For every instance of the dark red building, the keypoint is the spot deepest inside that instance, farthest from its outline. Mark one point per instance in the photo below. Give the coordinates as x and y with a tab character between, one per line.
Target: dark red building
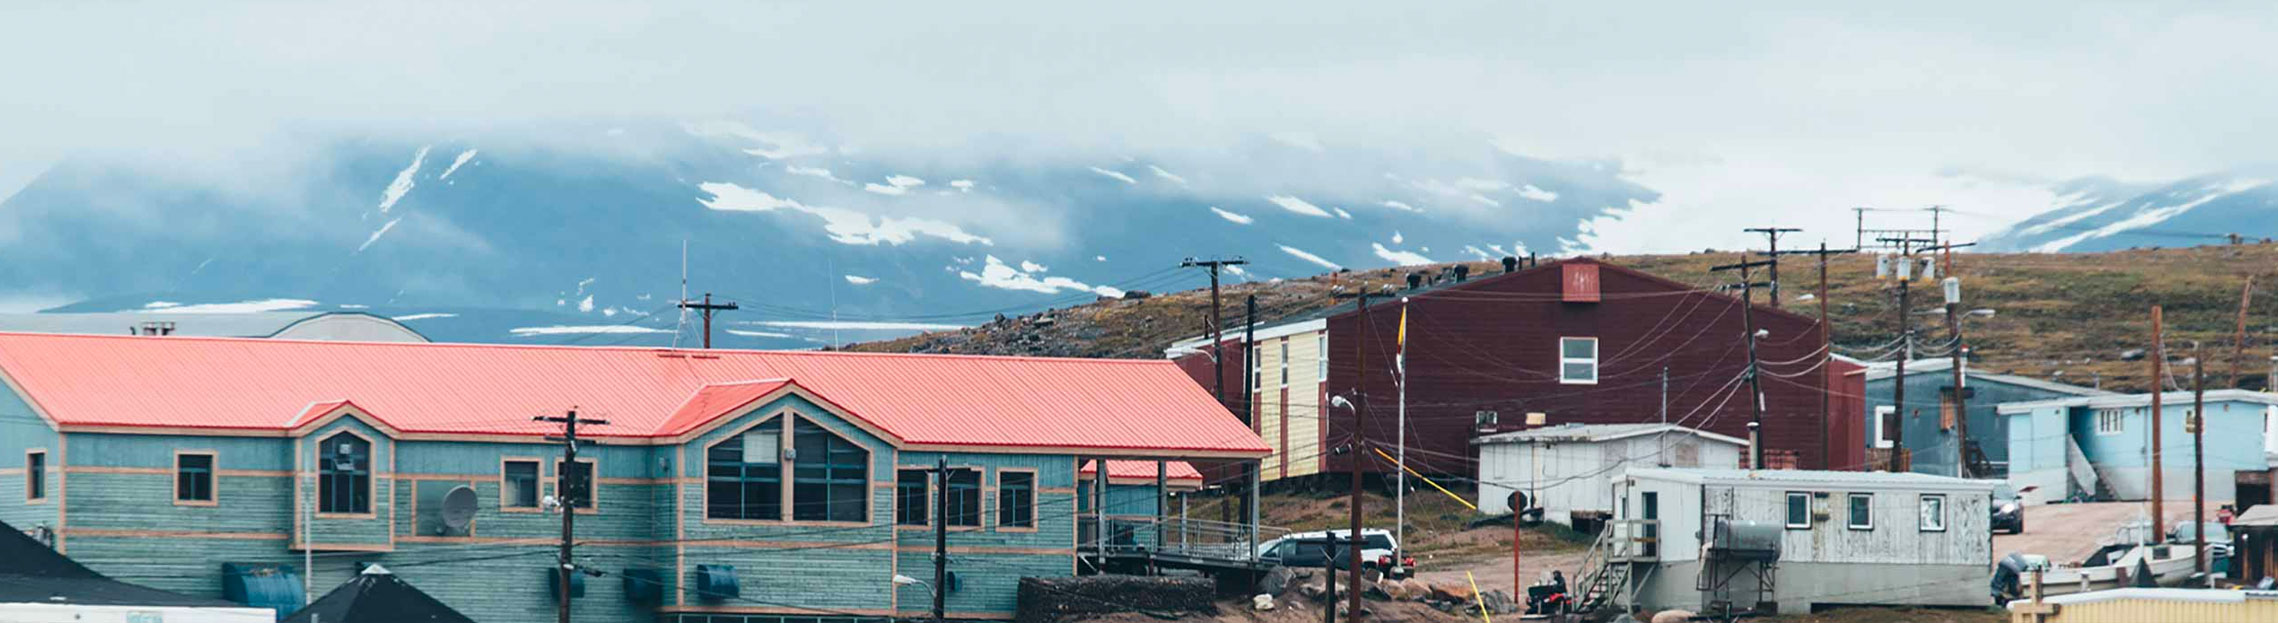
1582	341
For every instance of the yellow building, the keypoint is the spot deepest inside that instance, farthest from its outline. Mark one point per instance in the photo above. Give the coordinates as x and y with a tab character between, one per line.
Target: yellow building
2146	605
1290	375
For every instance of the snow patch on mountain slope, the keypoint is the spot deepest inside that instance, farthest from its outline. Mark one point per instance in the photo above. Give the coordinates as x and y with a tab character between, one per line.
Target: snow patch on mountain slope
375	237
1173	177
581	329
895	185
1530	191
1029	276
860	280
1309	257
854	324
1117	175
1398	258
843	225
240	307
460	161
403	182
1235	217
2148	217
818	173
1297	205
1401	206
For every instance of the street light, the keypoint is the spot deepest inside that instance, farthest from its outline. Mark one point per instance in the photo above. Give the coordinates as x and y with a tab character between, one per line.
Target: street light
903	580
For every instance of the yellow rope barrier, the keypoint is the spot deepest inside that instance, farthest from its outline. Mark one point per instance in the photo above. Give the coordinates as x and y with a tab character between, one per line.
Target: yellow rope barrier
1411	471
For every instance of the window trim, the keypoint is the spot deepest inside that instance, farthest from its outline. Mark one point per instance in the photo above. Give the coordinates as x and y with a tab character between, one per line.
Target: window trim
537	484
930	497
997	494
1284	361
1882	415
371	476
36	479
1850	515
980	490
780	419
2119	420
213	478
790	474
1918	507
1563	360
554	465
1791	500
1321	357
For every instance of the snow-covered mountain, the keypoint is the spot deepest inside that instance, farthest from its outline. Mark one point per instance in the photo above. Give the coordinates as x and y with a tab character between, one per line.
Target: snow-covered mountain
579	237
2101	214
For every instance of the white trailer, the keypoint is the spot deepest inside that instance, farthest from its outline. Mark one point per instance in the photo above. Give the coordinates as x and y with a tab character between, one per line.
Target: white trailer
1565	468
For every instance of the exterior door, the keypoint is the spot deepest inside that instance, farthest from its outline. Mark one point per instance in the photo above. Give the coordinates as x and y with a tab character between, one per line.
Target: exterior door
1650	505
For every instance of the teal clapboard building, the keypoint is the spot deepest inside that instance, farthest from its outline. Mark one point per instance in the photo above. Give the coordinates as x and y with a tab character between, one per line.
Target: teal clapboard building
1930	434
725	486
2100	447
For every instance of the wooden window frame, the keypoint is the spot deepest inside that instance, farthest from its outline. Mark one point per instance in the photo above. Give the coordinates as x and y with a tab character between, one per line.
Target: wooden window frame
1321	357
780	420
1851	515
537	485
1880	426
790	475
1034	480
35	480
2119	420
1790	510
594	465
1284	361
1920	503
981	498
1564	360
371	476
213	478
926	521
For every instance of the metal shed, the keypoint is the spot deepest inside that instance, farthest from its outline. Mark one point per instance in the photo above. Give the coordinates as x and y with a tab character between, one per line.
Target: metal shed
1565	468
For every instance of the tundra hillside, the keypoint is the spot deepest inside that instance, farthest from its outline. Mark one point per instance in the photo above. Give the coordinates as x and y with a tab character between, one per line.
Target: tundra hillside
2080	313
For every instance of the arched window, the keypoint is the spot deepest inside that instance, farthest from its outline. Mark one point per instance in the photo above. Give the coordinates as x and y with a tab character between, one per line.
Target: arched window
831	479
344	478
744	475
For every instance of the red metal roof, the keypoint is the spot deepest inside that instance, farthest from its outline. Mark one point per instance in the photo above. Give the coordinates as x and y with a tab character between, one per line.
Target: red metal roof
1145	470
1124	405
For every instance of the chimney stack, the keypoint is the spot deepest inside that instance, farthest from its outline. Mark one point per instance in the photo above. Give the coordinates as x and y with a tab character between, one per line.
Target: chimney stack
1510	264
1462	273
1415	280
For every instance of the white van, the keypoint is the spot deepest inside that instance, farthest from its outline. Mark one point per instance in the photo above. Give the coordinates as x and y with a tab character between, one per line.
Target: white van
1311	549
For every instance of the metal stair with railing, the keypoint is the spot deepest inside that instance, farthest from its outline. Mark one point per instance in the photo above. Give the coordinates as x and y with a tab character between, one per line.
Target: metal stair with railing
1613	557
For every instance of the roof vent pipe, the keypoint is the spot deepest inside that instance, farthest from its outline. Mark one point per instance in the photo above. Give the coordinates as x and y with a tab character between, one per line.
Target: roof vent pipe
1415	280
1462	272
1510	264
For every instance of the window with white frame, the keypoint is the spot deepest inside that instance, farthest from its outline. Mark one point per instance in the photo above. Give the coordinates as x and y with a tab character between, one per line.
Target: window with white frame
1860	513
1321	356
1877	428
1285	362
1933	513
1578	360
1799	510
2111	421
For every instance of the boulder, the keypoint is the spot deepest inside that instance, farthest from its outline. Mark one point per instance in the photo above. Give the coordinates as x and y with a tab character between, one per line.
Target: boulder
1261	602
1454	592
1672	616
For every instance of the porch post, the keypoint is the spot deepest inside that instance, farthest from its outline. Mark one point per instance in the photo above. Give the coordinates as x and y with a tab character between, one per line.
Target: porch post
1250	491
1099	505
1162	503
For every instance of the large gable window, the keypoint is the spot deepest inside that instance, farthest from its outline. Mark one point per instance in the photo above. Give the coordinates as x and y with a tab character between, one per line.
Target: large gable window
344	478
744	475
1578	360
831	476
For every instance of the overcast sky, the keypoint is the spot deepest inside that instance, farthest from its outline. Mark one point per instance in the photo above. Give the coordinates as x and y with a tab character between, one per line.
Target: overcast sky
1788	114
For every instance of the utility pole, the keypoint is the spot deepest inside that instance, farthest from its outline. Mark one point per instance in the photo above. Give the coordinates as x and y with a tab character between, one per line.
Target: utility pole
1859	236
1251	371
1748	329
1664	454
1355	447
2196	424
1772	250
1826	344
2158	387
941	532
576	485
1963	465
1905	275
1218	344
2238	340
705	308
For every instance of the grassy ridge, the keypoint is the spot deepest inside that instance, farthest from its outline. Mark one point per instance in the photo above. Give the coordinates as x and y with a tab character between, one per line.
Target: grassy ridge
2074	312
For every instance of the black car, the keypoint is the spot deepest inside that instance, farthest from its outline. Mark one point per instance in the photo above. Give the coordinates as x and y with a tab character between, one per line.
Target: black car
2008	511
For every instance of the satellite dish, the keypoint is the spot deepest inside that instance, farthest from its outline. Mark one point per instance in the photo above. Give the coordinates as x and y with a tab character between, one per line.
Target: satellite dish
458	510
